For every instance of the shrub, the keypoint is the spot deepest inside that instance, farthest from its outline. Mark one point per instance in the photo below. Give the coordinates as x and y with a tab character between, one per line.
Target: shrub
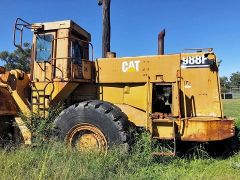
42	128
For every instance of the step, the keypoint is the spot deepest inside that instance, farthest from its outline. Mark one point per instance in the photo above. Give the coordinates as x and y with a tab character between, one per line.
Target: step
37	103
41	108
162	120
42	95
39	93
37	90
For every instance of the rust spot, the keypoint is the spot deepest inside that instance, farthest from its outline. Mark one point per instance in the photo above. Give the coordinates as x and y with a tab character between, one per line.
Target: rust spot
7	104
208	130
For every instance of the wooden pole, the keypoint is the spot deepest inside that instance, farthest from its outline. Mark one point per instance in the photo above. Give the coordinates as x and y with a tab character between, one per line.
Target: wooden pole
106	33
161	36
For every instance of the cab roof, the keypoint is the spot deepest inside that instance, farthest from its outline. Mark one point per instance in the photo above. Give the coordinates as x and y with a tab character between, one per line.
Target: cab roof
66	24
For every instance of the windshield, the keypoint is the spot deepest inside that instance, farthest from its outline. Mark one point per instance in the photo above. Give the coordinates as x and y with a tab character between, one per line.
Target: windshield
44	47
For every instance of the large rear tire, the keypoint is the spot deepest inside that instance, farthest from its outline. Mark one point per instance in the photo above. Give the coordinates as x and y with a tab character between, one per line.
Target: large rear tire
92	125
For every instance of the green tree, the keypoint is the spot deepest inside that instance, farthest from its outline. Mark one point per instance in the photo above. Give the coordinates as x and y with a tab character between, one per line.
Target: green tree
235	79
225	84
19	59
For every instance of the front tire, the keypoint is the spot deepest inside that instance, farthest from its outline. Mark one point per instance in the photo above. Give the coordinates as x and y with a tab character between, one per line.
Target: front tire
92	125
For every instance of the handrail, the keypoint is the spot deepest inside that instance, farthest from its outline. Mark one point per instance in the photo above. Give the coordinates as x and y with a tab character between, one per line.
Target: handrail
55	39
198	49
55	58
178	81
19	25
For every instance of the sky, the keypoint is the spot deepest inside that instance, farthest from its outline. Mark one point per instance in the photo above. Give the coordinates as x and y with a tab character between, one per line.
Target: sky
135	25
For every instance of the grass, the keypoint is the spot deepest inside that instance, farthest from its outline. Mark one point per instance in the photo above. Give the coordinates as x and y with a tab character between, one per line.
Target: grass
54	161
232	109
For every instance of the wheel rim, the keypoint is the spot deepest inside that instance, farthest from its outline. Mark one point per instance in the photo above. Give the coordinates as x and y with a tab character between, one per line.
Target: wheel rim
87	137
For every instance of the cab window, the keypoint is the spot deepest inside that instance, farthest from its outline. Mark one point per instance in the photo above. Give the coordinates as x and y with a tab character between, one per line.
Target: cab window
76	52
44	47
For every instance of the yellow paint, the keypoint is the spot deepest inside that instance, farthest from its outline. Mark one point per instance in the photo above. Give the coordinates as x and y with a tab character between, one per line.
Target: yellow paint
198	92
87	137
127	82
21	104
25	132
131	69
135	115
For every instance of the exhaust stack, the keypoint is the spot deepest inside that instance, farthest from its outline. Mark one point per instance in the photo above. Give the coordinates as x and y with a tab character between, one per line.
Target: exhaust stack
161	36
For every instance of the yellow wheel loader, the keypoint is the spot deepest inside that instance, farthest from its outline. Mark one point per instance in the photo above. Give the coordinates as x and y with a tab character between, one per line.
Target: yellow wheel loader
173	96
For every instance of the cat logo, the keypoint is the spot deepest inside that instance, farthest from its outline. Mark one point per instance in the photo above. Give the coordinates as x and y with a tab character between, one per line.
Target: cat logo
131	66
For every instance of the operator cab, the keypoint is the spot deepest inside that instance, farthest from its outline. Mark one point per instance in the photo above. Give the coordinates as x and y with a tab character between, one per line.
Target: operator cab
60	52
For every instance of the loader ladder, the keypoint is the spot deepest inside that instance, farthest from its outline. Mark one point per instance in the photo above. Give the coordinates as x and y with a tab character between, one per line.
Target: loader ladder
39	99
171	124
36	100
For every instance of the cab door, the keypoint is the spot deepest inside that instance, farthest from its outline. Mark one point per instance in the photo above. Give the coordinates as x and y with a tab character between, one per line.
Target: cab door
43	56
